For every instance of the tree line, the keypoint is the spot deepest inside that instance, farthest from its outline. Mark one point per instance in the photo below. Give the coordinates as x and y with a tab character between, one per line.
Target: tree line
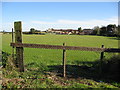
109	30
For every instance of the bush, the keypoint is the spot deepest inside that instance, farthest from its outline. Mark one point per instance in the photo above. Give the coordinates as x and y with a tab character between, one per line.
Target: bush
4	58
114	64
111	68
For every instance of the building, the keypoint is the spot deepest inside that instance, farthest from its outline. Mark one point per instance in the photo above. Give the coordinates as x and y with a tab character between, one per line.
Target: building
70	31
87	31
63	31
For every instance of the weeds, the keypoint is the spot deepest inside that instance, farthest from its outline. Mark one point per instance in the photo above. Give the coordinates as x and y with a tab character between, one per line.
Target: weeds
46	76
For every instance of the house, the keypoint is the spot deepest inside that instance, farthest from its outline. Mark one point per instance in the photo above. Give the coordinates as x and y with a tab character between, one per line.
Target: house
70	31
87	31
63	31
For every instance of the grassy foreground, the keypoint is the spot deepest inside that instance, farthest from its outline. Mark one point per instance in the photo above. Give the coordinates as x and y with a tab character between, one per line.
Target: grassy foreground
54	57
43	66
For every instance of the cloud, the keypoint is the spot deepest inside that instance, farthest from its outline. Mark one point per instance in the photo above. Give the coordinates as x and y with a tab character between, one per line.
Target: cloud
42	22
62	24
84	24
112	20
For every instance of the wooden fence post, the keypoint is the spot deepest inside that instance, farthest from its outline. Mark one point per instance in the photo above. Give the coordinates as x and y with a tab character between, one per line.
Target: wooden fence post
13	46
19	50
102	54
64	61
101	60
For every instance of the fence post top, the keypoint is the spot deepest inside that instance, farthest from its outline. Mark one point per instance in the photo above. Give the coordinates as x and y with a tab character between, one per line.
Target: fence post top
64	43
102	46
17	21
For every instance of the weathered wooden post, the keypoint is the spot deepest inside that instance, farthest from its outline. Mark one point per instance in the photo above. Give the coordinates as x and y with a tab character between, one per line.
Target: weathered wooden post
102	54
64	61
101	60
13	42
19	50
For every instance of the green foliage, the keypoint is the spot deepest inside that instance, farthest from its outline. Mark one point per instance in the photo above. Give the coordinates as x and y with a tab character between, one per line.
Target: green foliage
79	30
32	79
96	30
118	31
4	58
103	31
54	57
110	68
32	31
109	30
78	85
39	61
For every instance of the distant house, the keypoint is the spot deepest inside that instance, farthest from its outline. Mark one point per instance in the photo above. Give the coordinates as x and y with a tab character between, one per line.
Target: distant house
63	31
87	31
70	31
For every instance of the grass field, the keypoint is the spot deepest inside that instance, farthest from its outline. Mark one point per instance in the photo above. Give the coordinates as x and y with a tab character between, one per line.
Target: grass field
40	62
53	57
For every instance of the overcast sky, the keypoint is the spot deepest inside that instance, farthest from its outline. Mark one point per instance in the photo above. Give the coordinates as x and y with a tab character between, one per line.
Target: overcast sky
60	15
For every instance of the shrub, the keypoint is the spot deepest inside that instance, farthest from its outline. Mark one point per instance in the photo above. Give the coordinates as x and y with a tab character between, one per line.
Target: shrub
4	58
110	68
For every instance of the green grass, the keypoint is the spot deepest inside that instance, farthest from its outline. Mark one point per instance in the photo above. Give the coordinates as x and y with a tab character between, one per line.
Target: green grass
40	62
54	57
36	79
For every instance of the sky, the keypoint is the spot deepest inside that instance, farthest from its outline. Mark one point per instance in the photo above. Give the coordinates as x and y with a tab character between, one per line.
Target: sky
60	0
58	15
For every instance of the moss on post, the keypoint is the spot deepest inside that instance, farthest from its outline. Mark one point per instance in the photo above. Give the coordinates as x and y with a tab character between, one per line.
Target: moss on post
19	50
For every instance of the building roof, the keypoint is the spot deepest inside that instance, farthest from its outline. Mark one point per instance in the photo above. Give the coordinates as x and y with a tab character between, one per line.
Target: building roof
88	29
64	30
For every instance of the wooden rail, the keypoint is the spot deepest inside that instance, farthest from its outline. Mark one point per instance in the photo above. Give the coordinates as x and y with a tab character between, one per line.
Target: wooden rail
115	50
19	46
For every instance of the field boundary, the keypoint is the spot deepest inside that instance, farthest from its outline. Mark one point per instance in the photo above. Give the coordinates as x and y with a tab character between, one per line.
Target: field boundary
19	47
45	46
